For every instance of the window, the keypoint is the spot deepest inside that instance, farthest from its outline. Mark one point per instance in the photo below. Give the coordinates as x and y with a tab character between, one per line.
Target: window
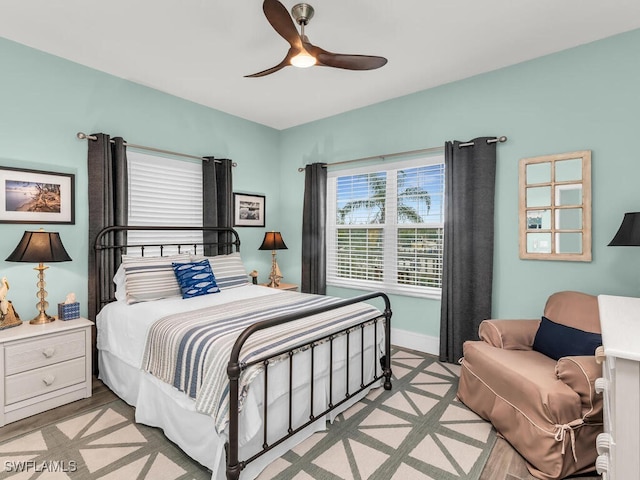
385	227
164	191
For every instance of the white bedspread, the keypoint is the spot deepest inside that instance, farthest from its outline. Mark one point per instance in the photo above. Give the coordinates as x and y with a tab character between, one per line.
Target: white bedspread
123	328
122	331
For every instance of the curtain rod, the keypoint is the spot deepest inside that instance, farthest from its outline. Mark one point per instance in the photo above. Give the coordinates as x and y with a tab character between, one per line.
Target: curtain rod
408	152
84	136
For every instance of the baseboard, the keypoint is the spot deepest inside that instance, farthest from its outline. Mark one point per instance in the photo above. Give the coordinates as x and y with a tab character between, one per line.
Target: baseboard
415	341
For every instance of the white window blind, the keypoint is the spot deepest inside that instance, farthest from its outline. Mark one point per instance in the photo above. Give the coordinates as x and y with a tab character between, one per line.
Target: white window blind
164	191
385	227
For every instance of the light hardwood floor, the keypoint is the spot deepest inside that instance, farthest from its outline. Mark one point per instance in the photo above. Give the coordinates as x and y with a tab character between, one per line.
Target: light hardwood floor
504	463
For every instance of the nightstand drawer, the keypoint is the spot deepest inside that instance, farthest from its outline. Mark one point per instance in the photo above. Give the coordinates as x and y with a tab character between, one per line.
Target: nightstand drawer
43	380
27	355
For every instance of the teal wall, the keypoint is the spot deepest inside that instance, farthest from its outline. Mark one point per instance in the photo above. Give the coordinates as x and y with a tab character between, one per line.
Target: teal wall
583	98
45	100
586	98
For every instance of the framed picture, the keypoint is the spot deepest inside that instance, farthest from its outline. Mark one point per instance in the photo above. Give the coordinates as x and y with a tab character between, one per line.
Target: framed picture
248	210
34	196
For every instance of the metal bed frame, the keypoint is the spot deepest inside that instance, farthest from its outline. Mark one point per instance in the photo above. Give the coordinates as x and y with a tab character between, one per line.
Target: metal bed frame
111	243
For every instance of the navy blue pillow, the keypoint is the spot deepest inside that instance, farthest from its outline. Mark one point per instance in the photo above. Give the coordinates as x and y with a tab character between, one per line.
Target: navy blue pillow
556	341
195	279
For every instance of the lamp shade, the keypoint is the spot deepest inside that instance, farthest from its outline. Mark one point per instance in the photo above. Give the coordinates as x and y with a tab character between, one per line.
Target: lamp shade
272	241
39	247
628	234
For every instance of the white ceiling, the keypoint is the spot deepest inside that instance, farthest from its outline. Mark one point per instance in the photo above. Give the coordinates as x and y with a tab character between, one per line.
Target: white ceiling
201	49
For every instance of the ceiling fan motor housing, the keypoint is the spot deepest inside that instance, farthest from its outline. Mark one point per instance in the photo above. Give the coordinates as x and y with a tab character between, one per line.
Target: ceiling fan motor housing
302	12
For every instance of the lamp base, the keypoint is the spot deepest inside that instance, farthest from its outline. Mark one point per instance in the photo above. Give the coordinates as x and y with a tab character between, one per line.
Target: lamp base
41	319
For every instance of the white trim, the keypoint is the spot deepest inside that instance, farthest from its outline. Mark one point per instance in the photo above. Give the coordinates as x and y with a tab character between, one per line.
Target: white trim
415	341
370	286
383	167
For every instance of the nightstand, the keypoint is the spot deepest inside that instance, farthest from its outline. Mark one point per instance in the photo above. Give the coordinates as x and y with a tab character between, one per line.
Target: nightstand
43	367
284	286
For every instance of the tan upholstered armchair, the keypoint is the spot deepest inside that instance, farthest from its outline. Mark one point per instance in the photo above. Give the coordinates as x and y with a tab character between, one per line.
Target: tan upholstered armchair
545	407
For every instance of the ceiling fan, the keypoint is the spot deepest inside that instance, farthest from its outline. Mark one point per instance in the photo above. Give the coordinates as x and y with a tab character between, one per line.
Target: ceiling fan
303	53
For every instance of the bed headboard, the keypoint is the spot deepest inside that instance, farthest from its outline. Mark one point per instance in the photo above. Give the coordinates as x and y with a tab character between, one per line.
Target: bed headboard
111	243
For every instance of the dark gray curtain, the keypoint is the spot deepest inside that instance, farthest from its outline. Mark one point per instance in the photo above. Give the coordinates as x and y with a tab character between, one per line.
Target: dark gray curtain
217	202
468	243
314	222
108	205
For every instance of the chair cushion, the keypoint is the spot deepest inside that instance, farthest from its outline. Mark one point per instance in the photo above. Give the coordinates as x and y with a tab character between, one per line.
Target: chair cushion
556	341
525	379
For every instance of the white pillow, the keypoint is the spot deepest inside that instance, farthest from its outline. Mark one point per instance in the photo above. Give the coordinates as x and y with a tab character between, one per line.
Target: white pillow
119	280
228	270
151	278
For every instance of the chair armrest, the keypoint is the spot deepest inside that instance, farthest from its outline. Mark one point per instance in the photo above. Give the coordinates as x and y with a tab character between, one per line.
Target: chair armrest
580	374
509	334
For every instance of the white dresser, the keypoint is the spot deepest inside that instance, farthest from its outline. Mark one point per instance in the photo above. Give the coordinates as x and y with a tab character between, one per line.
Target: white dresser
619	445
44	366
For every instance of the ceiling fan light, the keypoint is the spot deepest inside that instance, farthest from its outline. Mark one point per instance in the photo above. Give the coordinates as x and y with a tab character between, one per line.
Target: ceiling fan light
303	60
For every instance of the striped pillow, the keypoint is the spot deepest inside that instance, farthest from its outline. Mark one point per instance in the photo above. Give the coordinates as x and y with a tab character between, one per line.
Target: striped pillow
151	278
228	270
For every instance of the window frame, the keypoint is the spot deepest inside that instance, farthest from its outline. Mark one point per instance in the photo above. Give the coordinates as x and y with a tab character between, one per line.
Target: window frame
390	229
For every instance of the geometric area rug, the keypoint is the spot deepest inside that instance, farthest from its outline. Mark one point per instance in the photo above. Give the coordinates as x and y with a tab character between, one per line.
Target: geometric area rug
104	443
416	431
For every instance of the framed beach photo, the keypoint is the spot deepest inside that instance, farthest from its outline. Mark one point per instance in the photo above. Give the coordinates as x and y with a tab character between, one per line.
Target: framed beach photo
248	210
34	196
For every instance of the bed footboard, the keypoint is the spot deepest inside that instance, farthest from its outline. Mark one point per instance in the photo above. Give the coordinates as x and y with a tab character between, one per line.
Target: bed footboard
235	368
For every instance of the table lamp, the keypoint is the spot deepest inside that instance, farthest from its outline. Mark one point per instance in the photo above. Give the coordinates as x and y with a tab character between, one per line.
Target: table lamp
628	235
39	247
273	241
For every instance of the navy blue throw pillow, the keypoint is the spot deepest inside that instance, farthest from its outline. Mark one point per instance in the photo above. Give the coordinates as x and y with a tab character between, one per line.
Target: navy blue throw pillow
556	341
195	279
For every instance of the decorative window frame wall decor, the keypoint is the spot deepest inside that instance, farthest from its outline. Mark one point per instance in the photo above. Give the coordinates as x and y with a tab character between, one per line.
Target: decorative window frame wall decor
555	207
242	204
35	196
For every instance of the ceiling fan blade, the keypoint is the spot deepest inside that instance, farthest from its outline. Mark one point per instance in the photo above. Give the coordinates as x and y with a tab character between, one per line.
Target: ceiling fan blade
279	18
351	62
339	60
284	63
268	71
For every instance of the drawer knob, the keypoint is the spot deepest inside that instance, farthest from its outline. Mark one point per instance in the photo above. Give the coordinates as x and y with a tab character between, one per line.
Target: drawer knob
49	352
603	443
48	380
600	385
600	356
602	464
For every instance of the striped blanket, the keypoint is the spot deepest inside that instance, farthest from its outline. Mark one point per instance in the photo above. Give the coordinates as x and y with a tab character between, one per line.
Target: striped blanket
191	350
